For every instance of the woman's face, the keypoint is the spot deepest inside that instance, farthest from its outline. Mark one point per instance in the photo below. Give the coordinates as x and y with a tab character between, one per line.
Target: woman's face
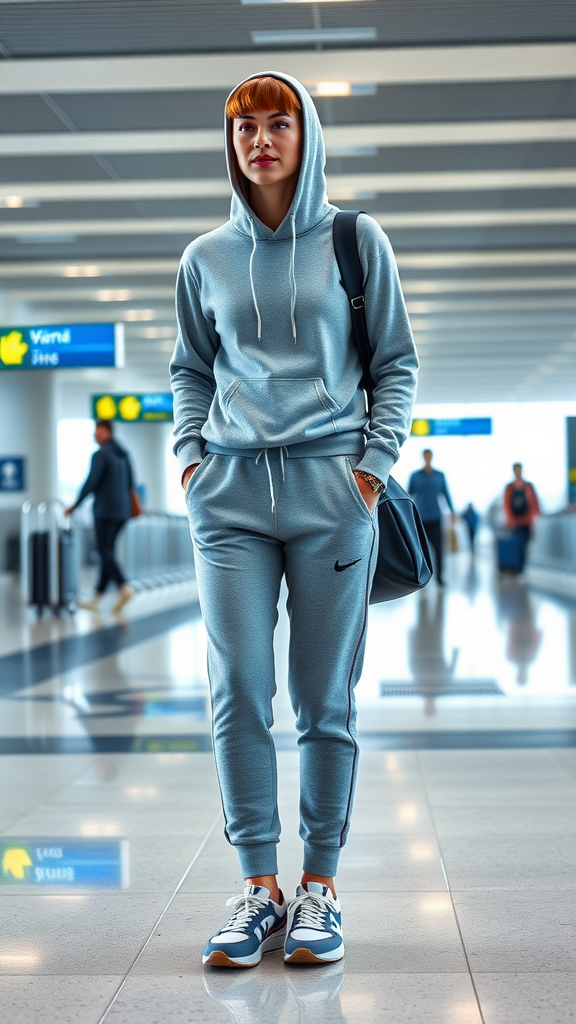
268	145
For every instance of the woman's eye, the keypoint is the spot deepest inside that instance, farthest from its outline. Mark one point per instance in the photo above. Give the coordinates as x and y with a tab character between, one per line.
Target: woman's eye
281	124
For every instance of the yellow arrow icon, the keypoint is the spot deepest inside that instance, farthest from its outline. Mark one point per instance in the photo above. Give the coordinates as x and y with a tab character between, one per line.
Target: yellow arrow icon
14	861
13	348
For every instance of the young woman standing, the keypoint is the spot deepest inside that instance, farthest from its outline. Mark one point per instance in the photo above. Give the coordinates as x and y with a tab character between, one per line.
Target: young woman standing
282	472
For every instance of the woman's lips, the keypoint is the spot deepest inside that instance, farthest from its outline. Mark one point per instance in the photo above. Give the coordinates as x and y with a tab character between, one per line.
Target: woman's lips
264	161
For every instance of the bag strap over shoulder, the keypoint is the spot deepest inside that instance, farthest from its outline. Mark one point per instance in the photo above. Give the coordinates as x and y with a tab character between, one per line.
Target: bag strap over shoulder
352	281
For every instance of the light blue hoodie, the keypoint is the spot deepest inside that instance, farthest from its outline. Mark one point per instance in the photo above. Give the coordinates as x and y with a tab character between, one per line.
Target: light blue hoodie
265	355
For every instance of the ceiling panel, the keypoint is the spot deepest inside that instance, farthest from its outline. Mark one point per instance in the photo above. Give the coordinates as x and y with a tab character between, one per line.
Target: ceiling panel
148	26
488	264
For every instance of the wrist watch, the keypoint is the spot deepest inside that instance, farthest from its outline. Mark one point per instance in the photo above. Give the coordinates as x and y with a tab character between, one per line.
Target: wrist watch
372	481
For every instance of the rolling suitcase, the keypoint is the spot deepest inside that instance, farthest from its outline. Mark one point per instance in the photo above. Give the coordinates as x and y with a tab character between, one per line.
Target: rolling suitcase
39	583
509	553
68	575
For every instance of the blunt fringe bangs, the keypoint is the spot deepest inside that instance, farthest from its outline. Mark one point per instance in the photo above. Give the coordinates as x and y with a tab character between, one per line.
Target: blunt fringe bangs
262	94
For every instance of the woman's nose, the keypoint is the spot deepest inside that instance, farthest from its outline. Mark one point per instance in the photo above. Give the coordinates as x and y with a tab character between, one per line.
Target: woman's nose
261	138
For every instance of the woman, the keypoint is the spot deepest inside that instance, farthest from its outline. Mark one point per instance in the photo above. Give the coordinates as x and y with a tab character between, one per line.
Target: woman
282	473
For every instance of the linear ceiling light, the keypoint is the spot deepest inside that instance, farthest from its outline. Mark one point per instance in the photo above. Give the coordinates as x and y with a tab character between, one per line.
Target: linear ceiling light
302	36
342	89
85	271
249	2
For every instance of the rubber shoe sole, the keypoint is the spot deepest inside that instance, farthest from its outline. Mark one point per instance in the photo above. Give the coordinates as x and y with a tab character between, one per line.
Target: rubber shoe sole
306	956
218	958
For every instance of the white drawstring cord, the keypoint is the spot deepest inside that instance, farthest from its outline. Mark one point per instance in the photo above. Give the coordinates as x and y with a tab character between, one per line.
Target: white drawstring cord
264	452
254	299
283	455
293	280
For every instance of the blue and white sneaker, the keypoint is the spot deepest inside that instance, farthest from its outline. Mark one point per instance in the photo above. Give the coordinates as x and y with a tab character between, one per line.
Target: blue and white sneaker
314	926
256	926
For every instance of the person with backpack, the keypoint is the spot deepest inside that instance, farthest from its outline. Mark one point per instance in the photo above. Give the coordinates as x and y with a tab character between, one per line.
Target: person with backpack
282	468
521	506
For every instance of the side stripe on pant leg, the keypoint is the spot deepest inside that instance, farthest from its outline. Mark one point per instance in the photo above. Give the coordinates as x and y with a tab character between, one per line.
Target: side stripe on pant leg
346	826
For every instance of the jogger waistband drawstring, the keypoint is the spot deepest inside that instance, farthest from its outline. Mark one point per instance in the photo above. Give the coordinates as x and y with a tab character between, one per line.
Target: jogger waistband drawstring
283	455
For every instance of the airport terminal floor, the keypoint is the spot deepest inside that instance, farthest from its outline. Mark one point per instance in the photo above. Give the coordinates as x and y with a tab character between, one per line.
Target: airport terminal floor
457	883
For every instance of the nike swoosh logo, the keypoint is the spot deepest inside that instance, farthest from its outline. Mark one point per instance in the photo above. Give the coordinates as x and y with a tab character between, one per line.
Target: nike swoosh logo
340	566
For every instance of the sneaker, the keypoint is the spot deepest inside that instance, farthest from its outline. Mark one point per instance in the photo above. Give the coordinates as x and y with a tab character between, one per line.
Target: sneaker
314	926
257	926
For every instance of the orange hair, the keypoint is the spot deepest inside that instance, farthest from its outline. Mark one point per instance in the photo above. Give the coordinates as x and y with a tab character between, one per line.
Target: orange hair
262	94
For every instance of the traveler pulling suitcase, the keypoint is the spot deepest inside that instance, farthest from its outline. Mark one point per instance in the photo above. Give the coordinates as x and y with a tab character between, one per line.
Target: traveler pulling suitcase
509	555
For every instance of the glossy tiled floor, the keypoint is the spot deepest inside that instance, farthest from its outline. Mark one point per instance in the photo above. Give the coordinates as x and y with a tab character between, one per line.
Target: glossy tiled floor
458	883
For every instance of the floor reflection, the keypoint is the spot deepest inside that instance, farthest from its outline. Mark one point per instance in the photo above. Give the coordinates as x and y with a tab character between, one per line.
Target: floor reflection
260	997
516	608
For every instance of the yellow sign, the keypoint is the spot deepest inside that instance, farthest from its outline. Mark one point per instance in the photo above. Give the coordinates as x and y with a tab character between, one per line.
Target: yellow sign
13	349
421	428
15	861
572	476
105	408
129	407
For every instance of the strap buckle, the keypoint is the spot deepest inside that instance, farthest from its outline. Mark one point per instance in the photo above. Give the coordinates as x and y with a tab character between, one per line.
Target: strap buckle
358	302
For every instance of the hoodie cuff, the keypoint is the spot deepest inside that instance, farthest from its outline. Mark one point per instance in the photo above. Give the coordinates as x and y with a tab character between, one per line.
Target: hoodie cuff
377	462
190	453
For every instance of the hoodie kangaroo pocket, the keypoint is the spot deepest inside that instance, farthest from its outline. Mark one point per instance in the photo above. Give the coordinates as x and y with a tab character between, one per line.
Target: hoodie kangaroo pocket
278	408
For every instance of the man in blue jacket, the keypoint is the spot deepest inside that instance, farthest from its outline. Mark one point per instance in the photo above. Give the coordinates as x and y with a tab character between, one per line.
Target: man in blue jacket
425	487
110	481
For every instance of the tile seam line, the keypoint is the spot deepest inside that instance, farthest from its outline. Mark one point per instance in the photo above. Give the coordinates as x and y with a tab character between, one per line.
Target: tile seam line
571	771
448	887
159	919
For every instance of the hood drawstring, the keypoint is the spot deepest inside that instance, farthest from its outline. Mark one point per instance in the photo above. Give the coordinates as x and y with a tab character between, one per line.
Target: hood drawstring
293	289
293	280
254	299
283	455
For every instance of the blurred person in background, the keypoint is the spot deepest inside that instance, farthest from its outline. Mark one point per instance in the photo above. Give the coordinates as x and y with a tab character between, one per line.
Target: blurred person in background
110	480
426	486
472	519
521	507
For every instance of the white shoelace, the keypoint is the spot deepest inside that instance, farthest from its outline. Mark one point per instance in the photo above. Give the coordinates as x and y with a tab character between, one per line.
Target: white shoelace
310	911
246	907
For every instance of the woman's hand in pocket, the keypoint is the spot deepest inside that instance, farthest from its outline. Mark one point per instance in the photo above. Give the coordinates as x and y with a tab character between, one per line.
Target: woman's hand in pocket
367	493
189	472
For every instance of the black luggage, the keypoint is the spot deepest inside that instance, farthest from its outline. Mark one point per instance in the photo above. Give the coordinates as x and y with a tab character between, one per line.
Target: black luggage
68	581
39	570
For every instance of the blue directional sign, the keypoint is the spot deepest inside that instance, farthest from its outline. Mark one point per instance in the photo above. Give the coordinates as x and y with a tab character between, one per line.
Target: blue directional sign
12	475
452	428
83	863
59	346
156	407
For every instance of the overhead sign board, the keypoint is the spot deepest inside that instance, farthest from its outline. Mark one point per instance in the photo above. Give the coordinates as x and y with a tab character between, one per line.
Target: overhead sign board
69	863
150	408
12	475
56	347
452	428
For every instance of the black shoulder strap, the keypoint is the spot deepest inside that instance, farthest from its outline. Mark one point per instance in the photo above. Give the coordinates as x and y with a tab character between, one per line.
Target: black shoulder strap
352	281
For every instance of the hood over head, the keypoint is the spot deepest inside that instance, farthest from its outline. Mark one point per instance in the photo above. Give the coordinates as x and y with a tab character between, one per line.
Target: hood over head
310	204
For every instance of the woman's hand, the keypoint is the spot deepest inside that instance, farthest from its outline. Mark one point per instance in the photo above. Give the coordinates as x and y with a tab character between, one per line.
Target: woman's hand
188	472
367	493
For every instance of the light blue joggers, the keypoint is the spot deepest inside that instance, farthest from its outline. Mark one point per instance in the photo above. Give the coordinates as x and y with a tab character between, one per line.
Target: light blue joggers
255	517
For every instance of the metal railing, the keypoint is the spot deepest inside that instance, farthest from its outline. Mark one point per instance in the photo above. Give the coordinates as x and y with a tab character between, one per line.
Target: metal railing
156	549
